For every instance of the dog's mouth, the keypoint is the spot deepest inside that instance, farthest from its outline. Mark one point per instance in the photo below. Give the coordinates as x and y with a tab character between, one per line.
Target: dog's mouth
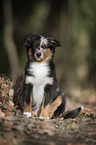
38	59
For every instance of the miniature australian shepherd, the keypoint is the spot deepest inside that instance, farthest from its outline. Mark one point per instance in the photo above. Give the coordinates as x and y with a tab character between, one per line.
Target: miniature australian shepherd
38	94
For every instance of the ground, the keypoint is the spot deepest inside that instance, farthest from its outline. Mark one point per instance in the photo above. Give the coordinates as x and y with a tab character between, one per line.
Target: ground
17	129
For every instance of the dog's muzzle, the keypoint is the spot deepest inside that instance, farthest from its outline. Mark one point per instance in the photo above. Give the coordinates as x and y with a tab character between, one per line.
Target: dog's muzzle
39	56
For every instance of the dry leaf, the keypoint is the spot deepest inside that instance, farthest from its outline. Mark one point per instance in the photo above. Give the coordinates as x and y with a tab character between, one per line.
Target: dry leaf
42	124
2	114
7	124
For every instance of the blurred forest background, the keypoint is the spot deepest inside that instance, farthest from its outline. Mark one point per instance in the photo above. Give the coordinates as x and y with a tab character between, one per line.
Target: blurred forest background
72	22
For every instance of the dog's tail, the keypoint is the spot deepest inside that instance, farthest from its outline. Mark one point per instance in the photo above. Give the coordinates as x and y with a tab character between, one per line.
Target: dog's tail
72	113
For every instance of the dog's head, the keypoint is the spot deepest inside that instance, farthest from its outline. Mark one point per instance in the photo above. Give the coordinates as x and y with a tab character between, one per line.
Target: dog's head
40	48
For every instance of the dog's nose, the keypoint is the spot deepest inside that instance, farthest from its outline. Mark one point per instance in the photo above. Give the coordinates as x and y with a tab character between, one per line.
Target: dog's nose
38	54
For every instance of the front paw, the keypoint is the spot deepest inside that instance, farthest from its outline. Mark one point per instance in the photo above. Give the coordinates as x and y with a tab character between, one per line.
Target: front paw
28	114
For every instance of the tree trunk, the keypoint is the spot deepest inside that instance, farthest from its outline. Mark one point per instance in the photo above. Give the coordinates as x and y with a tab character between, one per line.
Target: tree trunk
8	36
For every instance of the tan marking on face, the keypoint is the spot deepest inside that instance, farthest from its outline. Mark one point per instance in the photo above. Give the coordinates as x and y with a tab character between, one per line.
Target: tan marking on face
47	55
30	54
48	111
36	44
28	38
42	44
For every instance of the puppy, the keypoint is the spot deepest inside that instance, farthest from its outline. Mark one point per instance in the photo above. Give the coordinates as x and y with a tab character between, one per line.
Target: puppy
40	94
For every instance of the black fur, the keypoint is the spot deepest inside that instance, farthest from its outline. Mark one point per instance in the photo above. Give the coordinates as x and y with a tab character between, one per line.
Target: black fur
51	91
60	109
73	113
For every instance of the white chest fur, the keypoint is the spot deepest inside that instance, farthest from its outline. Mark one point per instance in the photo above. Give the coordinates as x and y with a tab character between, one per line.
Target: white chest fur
39	80
40	72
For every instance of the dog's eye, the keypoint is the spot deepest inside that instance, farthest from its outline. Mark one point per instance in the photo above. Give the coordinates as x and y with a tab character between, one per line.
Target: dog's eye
43	44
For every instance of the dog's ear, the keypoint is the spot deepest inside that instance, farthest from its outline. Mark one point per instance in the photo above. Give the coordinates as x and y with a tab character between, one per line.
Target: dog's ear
28	39
53	42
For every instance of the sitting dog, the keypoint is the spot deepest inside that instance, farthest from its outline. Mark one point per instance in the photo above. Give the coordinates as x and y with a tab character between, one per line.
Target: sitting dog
40	94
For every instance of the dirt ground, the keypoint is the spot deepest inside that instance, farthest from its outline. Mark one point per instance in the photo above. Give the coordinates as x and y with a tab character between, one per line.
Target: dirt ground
17	129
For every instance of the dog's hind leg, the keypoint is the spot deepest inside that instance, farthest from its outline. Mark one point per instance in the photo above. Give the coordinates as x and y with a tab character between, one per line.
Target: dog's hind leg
48	111
59	112
61	108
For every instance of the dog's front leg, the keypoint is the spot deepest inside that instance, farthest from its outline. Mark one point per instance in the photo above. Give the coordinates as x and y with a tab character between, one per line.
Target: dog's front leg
27	99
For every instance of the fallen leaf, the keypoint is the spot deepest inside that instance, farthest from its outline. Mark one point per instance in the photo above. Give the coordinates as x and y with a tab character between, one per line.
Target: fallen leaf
2	114
5	143
42	124
74	125
6	124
